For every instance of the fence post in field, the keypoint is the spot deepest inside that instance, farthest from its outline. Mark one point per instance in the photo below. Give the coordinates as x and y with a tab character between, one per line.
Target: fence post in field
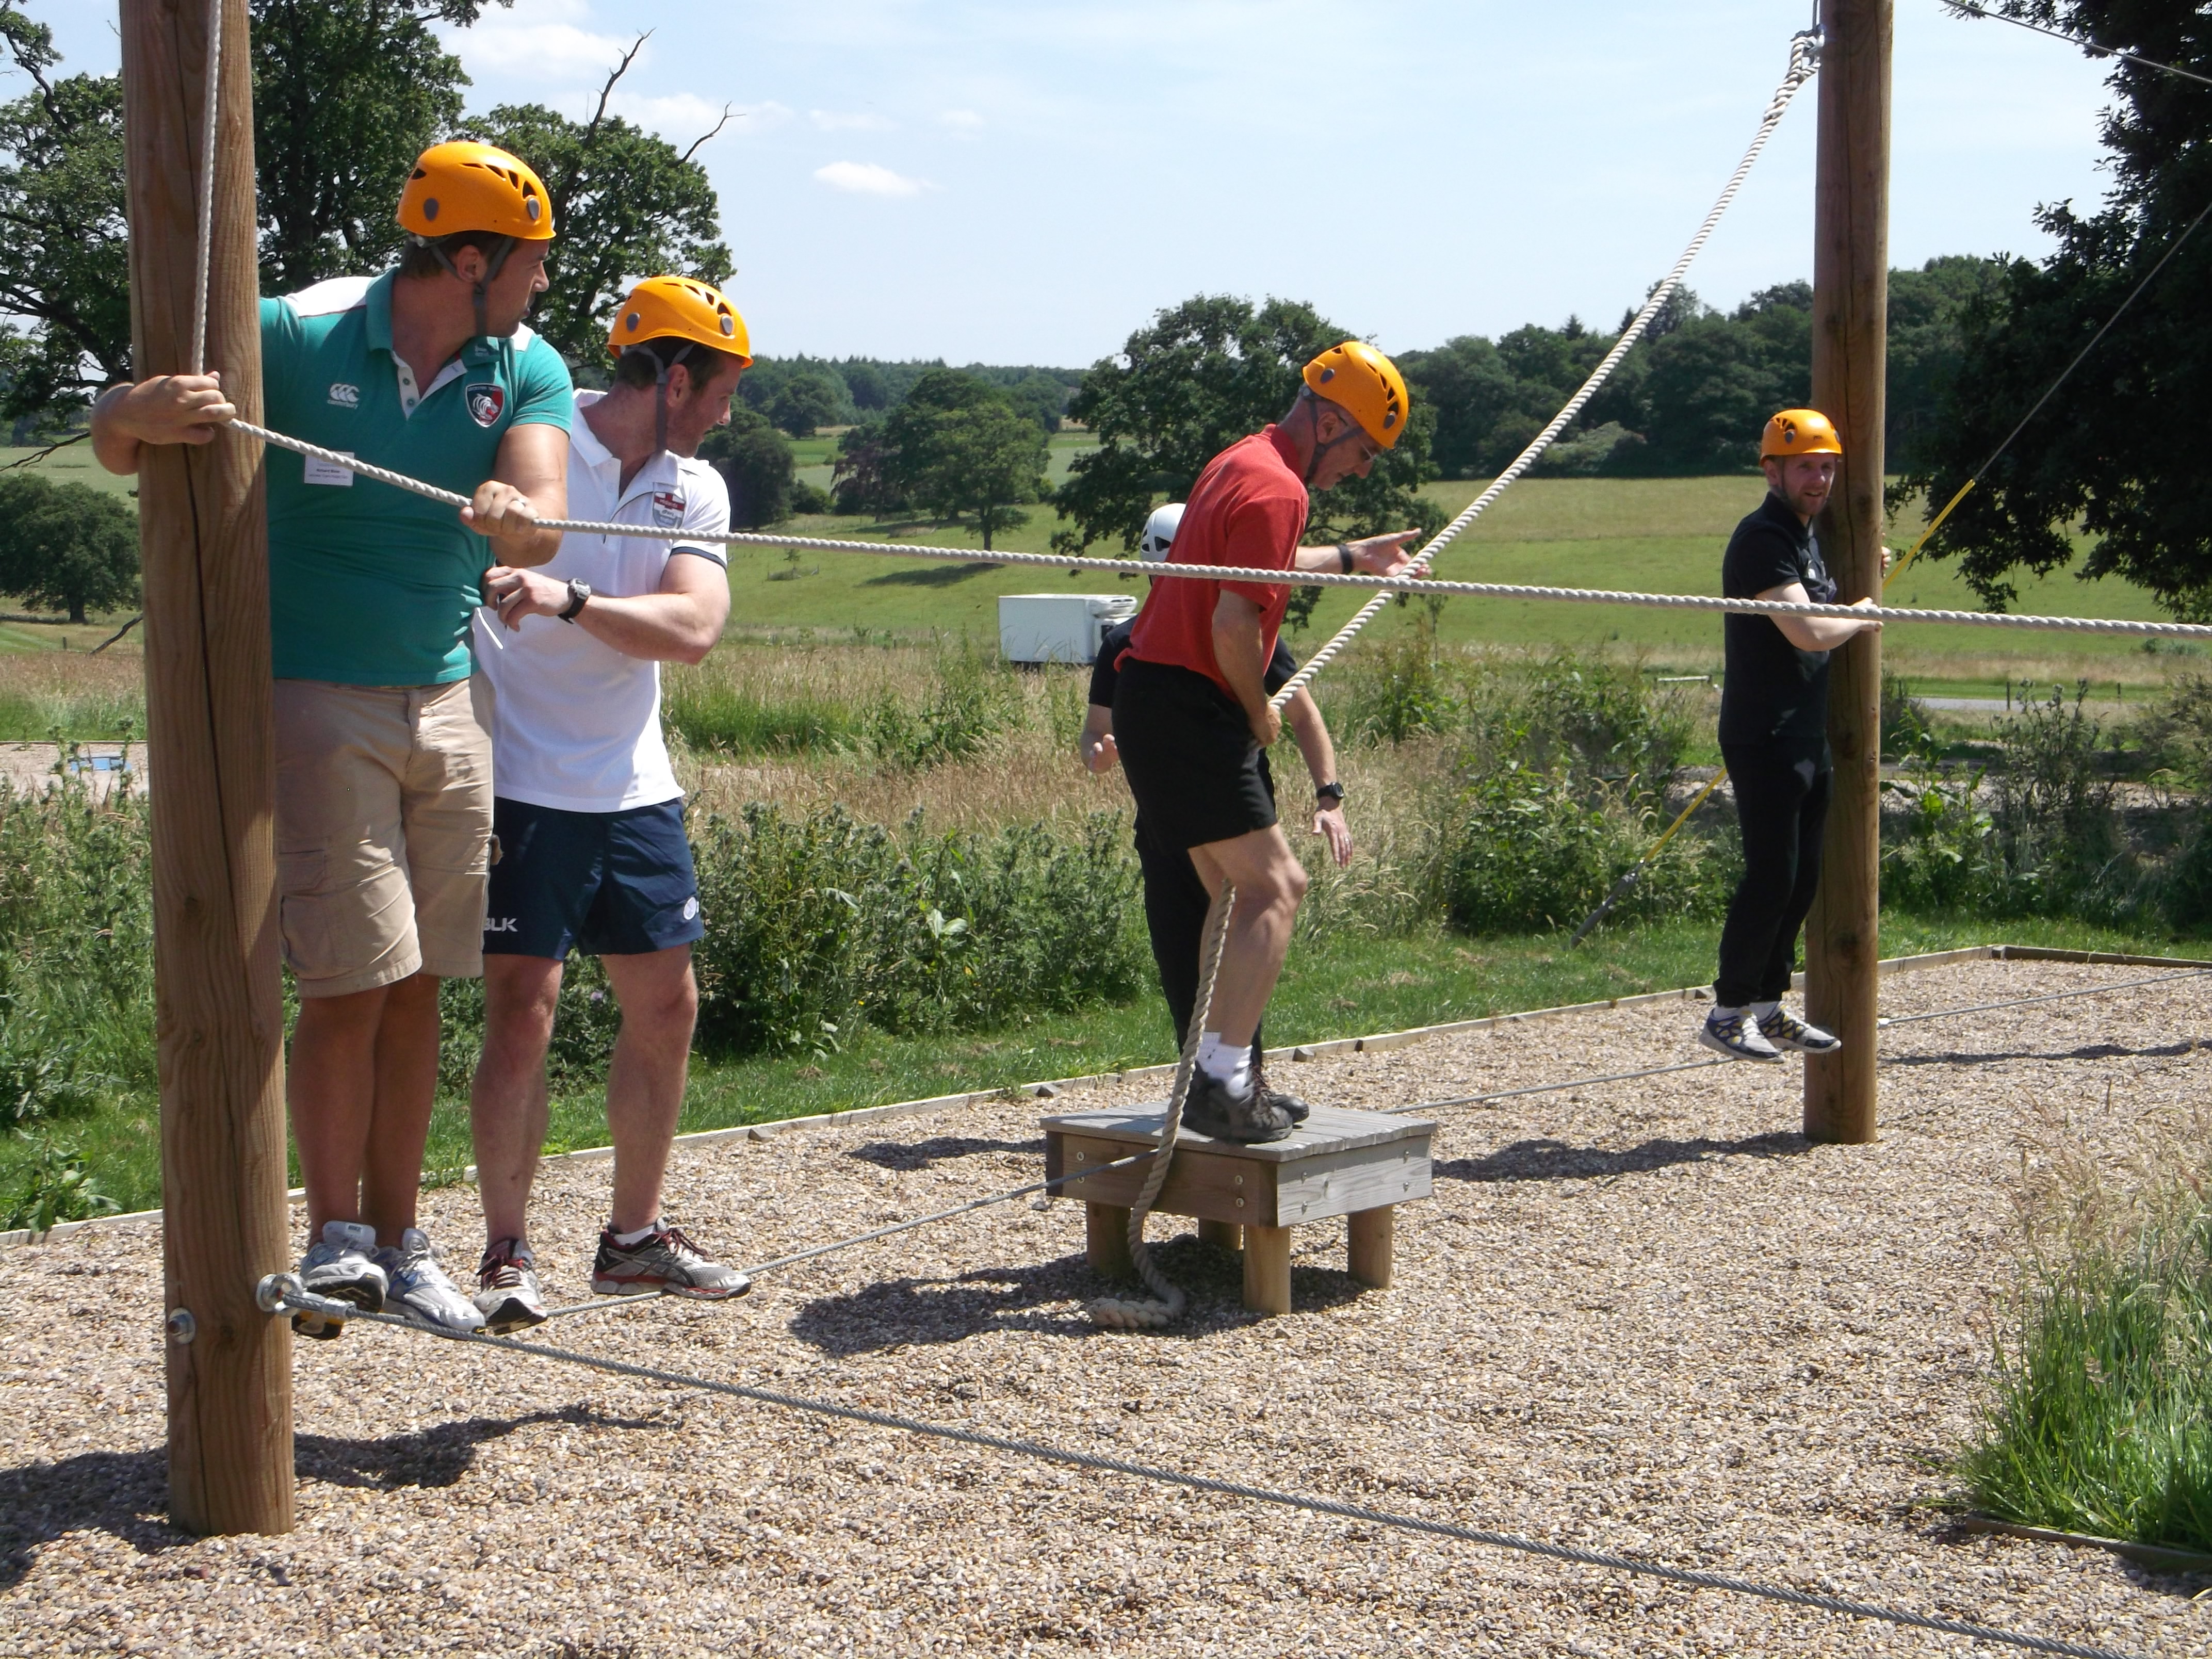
220	1014
1851	303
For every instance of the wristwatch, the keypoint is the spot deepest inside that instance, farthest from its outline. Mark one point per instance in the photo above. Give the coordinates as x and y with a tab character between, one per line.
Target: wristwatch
1344	557
579	595
1333	793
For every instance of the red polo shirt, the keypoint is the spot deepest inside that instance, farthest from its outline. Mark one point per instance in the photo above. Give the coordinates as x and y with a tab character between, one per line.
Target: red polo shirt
1248	508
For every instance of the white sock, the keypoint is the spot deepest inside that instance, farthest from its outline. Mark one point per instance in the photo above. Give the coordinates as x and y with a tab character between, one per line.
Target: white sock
1231	1066
1720	1013
1765	1010
626	1240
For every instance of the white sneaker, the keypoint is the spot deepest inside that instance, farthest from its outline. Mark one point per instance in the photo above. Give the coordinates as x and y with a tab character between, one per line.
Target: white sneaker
506	1287
1785	1030
341	1265
421	1288
1737	1035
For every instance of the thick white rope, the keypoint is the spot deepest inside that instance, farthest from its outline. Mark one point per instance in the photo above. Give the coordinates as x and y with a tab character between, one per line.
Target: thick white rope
1168	1301
1385	585
1804	60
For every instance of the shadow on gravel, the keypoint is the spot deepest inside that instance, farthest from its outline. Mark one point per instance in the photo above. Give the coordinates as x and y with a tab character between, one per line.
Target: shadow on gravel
2086	1051
435	1456
922	1154
125	1494
916	1312
1555	1160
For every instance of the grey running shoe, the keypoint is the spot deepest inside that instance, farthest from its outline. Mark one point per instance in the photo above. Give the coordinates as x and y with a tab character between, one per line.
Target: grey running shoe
341	1265
1736	1036
664	1260
1785	1030
420	1286
1298	1111
506	1287
1211	1110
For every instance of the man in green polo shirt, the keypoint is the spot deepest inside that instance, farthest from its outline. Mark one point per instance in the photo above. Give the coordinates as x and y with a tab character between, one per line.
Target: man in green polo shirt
383	755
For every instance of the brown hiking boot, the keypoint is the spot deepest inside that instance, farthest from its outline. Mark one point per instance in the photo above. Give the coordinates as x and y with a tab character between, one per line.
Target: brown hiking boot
1211	1110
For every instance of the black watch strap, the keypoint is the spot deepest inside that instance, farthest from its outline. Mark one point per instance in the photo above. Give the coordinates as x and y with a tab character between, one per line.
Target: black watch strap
579	595
1330	792
1344	557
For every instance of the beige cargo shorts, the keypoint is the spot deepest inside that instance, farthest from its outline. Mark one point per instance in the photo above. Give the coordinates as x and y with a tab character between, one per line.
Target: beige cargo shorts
383	823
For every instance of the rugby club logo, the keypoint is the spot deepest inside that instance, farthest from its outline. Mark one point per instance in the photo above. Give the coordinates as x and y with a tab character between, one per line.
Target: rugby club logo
485	400
345	396
667	508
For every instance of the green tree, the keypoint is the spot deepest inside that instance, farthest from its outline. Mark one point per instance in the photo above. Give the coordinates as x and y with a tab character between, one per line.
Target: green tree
757	464
958	445
1203	375
806	401
2112	458
625	205
66	545
64	258
346	95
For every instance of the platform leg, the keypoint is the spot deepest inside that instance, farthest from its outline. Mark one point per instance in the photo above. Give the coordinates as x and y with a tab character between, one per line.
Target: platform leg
1268	1269
1226	1234
1106	1240
1369	1236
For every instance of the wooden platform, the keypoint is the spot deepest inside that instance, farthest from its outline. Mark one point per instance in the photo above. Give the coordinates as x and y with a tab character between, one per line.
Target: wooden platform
1357	1164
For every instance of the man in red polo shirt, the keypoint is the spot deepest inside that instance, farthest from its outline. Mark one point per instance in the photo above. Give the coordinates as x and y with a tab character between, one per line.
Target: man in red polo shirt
1190	709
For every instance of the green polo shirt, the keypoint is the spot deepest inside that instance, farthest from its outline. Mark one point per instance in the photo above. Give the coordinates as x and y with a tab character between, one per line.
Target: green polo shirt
369	585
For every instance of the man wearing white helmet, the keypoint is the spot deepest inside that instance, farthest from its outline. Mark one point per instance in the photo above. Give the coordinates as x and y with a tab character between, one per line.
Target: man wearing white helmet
1175	900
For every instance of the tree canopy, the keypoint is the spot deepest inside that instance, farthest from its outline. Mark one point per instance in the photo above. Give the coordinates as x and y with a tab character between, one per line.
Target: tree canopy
757	464
1203	375
2114	457
958	445
67	545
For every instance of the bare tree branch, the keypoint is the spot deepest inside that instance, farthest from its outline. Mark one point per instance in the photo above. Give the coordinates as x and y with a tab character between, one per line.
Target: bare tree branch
728	110
38	455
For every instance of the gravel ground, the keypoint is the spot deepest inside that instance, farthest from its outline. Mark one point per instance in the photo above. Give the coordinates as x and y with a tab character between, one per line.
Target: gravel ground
1645	1317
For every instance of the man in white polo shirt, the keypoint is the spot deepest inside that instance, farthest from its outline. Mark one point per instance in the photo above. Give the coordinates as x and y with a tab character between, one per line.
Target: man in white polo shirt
587	819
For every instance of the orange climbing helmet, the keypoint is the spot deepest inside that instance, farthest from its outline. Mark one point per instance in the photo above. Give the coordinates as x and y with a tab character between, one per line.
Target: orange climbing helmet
678	307
1367	385
463	186
1799	432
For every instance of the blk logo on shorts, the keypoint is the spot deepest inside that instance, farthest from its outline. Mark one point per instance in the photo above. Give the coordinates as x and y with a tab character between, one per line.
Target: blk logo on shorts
667	508
485	400
500	924
344	396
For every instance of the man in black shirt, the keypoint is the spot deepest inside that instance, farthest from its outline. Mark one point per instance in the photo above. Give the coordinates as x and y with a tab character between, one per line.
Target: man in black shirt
1175	901
1774	739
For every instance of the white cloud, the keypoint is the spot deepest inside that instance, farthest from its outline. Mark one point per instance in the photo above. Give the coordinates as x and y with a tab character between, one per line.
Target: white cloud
965	122
830	120
866	179
540	39
681	116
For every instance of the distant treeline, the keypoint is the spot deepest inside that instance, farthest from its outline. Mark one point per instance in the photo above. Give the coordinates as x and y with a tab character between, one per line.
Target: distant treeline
799	394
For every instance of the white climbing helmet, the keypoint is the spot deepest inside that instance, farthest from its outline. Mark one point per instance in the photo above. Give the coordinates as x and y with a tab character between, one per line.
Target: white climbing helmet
1160	530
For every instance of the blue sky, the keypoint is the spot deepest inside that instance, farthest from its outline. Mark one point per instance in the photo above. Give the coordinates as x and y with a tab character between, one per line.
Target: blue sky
1028	180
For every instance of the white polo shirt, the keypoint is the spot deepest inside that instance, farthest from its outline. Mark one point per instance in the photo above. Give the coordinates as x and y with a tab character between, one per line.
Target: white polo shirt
577	724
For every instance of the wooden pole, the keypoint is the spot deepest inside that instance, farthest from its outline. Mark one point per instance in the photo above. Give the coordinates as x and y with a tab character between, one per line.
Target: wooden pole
1850	309
204	536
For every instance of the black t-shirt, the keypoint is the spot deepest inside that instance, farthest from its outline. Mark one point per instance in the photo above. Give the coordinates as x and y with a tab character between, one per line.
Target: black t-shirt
1116	640
1776	696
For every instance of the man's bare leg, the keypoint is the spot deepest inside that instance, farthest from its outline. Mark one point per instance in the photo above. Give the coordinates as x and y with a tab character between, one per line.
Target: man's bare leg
330	1086
508	1107
1270	884
659	1001
406	1084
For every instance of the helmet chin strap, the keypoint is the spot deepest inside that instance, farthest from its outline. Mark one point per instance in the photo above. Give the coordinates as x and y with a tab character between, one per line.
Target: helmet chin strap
660	374
1321	446
495	262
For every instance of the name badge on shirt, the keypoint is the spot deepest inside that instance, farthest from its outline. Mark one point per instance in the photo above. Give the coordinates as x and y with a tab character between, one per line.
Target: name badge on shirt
318	471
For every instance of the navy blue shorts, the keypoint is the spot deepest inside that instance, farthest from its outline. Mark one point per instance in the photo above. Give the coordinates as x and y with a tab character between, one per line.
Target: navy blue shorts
607	884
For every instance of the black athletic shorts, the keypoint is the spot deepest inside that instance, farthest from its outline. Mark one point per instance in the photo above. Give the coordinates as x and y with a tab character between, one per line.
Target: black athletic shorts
1189	755
607	884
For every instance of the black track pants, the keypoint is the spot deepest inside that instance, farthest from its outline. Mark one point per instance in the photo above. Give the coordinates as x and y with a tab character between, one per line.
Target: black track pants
1783	807
1175	904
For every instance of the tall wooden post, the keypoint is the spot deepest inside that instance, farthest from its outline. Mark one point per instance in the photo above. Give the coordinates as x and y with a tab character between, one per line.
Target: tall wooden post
221	1016
1851	311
